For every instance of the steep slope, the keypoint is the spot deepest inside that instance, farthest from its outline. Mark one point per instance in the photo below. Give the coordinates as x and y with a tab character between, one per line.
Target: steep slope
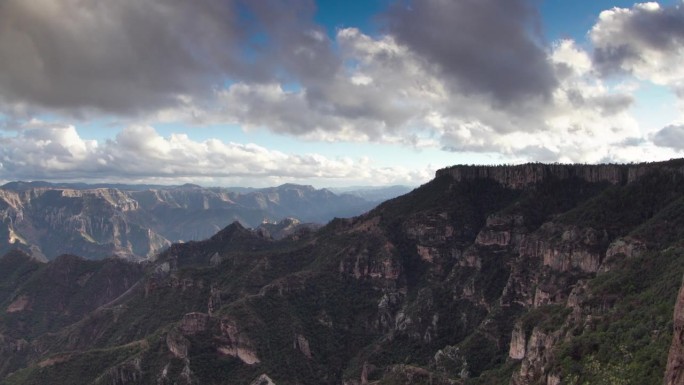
531	274
48	297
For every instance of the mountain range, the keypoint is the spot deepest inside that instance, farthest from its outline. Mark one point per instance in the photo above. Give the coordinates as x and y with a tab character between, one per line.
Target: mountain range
136	222
531	274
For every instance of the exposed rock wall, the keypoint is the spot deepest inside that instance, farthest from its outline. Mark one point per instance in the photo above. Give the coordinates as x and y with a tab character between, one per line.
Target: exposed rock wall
576	249
518	345
524	175
229	339
302	344
360	263
539	353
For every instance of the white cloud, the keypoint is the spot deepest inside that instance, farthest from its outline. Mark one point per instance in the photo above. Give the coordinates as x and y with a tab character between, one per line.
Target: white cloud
509	95
139	154
569	59
46	147
386	93
646	41
585	121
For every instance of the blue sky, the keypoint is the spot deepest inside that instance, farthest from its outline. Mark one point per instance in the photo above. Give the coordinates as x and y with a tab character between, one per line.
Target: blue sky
332	93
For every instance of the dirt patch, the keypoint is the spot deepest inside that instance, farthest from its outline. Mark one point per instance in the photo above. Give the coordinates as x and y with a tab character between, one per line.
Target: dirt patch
19	304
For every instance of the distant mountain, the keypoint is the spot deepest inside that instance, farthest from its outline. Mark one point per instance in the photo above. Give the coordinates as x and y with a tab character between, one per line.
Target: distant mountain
47	220
519	275
373	193
23	186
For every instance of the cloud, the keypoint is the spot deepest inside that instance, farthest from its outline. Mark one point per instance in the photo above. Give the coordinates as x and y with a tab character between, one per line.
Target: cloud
140	57
484	47
671	136
138	153
382	93
646	41
584	121
45	148
463	76
387	94
130	57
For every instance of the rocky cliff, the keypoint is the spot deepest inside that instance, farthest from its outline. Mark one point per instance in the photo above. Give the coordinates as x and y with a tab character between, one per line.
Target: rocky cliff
498	278
526	175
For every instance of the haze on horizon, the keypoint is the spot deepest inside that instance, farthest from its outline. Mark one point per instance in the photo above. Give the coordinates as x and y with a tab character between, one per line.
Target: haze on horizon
329	93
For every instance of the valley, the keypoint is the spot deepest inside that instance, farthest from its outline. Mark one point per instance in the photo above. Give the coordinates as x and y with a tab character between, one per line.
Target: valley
137	222
536	274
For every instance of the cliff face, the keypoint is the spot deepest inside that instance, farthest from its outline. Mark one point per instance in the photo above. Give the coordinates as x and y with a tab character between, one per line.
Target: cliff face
48	222
508	278
525	175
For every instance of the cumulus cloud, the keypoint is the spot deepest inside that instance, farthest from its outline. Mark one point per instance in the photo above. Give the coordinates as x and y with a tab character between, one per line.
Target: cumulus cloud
646	41
45	148
382	93
385	92
584	121
463	76
139	154
389	95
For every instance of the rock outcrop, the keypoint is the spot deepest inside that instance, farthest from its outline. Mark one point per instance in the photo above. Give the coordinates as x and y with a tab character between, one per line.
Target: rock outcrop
263	380
236	343
227	338
539	353
360	263
518	345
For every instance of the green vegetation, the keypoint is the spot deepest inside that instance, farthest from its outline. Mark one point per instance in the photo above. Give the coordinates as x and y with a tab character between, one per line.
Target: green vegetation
628	341
500	375
619	209
362	296
72	368
546	318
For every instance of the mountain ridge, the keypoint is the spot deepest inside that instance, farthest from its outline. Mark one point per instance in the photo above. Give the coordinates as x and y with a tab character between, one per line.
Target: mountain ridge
520	176
47	220
462	281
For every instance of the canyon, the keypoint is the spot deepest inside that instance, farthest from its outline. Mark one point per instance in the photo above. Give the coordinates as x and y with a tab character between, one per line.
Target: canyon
523	275
137	222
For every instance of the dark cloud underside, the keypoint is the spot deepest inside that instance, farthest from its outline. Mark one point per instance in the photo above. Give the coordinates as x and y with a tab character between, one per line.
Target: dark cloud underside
485	46
131	56
671	136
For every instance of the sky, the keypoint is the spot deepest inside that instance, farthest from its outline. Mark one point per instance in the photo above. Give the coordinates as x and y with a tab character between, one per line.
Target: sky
332	93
